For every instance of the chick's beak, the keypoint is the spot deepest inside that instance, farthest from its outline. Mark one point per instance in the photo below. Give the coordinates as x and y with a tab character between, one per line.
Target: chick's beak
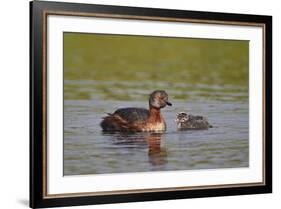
168	103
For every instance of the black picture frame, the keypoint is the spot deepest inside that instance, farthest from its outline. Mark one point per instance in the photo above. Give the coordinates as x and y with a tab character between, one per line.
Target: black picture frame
38	88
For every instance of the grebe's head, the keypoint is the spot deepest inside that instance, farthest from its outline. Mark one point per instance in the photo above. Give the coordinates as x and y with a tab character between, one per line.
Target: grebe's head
182	117
159	99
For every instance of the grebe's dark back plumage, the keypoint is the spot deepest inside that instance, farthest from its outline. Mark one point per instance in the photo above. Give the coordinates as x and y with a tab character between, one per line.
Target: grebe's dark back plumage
139	119
133	114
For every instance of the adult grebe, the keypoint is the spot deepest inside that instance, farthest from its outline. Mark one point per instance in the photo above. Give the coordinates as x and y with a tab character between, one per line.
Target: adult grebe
139	119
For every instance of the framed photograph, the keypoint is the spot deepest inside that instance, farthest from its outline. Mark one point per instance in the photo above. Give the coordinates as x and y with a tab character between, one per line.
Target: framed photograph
140	104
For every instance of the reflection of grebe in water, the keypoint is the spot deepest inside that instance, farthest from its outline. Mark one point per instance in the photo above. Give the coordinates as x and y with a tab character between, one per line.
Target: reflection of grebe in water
157	154
156	151
139	119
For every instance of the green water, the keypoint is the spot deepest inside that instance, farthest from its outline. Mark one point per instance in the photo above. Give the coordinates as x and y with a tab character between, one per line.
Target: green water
171	60
106	72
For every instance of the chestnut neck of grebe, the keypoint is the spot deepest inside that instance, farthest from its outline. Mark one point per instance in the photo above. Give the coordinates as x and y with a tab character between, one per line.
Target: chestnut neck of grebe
154	114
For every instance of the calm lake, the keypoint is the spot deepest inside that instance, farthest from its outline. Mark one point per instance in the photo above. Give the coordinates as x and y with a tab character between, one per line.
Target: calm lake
104	72
87	150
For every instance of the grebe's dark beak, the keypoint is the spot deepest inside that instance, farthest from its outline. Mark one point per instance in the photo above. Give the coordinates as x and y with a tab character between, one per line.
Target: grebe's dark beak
168	103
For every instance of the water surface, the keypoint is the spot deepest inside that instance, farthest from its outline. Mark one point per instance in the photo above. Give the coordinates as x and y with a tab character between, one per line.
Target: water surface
87	150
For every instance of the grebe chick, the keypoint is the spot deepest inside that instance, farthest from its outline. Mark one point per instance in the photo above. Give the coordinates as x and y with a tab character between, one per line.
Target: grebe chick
139	119
187	121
